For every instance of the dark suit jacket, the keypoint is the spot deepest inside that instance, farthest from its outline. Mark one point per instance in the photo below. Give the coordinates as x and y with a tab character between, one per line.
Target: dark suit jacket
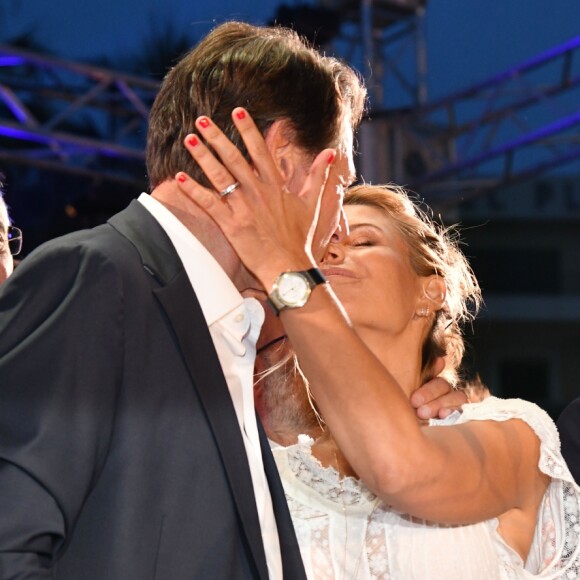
569	426
120	452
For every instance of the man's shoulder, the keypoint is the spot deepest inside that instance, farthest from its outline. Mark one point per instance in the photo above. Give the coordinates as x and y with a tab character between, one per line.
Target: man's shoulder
97	256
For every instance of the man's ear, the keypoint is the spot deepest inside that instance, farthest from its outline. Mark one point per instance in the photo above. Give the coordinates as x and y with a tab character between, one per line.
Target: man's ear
434	292
285	153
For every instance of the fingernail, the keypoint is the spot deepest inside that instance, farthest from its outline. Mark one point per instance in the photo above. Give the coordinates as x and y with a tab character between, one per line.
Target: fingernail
204	122
330	158
181	178
241	114
193	141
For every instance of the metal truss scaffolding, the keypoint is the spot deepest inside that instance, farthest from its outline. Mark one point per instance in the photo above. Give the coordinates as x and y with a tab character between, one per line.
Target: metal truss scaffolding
73	118
85	120
385	40
507	129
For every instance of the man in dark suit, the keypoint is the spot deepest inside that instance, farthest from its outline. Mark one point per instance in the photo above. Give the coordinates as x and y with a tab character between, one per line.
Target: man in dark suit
129	445
569	426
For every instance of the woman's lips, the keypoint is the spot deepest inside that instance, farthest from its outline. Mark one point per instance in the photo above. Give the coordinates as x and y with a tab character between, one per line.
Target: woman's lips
331	272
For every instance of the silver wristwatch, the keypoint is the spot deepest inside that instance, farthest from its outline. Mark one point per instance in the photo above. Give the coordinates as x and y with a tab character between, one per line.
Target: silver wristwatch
292	289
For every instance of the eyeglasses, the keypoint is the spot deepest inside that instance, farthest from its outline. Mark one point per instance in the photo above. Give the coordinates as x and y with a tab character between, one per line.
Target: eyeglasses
14	240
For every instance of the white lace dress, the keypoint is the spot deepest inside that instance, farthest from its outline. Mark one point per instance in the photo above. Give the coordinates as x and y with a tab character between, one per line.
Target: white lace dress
374	541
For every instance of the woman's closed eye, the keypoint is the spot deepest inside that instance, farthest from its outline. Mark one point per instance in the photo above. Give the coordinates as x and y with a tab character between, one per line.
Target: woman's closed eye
365	242
365	235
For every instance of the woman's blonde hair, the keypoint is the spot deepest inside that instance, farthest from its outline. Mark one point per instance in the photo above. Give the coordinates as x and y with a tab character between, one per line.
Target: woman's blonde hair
433	250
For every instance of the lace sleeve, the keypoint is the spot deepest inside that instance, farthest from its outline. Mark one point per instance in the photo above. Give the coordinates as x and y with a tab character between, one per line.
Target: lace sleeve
555	551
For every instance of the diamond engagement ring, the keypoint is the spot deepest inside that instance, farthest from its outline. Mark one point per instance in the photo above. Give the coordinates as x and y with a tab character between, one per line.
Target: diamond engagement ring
228	190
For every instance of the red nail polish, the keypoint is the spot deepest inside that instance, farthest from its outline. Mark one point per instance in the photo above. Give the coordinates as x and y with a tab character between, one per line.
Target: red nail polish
204	122
330	158
181	178
241	114
193	141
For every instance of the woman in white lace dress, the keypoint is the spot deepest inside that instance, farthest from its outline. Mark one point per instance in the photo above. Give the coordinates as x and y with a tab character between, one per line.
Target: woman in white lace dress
484	494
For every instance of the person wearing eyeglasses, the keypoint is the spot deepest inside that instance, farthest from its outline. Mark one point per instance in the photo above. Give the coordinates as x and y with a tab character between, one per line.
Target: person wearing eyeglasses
10	242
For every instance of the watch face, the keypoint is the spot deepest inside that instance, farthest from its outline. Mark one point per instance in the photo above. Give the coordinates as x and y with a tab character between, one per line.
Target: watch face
293	289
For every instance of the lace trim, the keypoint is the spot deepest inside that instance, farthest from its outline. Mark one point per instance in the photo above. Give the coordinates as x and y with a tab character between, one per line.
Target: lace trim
555	553
558	528
551	461
346	491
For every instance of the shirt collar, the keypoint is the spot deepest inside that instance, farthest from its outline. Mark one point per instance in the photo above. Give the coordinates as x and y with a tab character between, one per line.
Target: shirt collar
216	293
244	322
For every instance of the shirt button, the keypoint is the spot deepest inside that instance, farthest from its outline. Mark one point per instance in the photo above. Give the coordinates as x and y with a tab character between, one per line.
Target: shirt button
239	318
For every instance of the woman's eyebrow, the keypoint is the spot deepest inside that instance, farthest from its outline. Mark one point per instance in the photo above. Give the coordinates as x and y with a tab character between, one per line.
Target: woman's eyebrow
364	225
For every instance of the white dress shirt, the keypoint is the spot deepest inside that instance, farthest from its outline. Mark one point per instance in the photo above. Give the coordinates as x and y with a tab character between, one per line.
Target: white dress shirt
234	323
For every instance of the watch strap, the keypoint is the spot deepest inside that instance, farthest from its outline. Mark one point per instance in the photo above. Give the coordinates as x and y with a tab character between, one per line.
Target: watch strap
313	276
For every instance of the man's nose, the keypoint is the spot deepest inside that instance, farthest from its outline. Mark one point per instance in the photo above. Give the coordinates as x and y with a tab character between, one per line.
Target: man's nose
334	253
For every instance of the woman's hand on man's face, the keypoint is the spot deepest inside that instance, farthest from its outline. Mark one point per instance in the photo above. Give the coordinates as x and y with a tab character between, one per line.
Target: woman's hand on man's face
270	228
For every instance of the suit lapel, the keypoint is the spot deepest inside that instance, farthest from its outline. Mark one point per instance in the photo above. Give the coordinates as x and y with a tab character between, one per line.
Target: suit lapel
291	559
182	308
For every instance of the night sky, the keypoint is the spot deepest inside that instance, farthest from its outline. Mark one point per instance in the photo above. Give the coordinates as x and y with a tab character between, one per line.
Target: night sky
468	40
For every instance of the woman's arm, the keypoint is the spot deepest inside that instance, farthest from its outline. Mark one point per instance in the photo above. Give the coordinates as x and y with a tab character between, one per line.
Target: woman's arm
448	474
454	474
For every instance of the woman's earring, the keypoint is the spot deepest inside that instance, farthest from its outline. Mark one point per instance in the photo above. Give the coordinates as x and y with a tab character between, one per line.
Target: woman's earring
423	312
